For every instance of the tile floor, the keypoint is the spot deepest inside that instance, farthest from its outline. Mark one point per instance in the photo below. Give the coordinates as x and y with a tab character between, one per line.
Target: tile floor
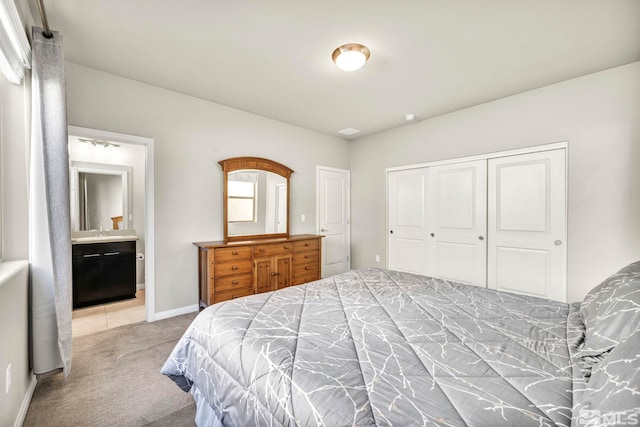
106	316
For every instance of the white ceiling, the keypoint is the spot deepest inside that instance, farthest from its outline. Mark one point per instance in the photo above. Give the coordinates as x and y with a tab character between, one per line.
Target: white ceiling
273	58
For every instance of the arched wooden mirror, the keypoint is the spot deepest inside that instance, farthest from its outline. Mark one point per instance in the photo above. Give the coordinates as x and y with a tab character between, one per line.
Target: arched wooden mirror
256	198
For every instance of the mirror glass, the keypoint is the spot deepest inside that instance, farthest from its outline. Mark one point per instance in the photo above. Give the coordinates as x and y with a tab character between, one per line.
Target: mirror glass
100	196
256	198
256	203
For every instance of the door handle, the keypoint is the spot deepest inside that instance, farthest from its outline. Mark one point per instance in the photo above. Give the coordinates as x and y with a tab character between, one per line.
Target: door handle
391	231
90	255
323	229
557	242
112	253
480	237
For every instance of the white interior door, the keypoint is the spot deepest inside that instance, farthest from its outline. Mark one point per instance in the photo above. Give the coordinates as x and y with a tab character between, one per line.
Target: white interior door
527	224
407	228
457	221
333	220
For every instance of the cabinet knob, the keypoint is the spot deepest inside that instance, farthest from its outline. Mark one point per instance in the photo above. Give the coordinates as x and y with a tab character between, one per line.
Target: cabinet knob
274	274
234	296
432	235
234	253
261	250
306	256
286	247
235	267
306	268
235	282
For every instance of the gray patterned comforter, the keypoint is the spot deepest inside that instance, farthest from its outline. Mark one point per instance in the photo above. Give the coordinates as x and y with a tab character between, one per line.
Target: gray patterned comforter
379	347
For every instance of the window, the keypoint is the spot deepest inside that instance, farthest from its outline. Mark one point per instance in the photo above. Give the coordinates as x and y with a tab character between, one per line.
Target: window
241	197
15	52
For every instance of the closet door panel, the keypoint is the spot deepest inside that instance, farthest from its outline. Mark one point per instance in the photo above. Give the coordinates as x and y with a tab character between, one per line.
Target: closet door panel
448	265
407	230
457	221
527	224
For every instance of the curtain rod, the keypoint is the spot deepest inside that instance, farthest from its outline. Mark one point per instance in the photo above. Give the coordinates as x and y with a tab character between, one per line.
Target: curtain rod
45	23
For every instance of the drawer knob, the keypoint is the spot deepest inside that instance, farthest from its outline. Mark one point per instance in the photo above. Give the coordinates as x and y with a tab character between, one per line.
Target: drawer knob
235	282
286	247
261	250
274	274
234	296
306	244
306	256
235	267
306	268
234	253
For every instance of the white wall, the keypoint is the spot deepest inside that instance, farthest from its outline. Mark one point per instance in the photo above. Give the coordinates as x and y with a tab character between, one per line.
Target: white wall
15	110
191	135
598	114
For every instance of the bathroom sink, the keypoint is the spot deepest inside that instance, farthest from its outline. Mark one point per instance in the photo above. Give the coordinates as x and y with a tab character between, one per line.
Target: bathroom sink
103	239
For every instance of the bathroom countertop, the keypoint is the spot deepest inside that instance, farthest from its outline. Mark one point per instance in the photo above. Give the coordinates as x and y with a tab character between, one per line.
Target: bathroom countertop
102	239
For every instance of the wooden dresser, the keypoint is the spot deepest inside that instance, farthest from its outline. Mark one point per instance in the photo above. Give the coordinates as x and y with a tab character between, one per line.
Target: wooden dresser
228	270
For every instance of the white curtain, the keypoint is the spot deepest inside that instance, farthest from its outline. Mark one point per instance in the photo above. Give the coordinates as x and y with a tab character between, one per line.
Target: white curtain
49	210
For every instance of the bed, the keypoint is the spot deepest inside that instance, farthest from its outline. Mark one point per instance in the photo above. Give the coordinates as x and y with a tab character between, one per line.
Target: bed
384	348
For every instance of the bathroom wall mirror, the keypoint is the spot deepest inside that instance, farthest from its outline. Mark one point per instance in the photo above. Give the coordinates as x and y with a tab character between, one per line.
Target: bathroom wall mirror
255	199
100	196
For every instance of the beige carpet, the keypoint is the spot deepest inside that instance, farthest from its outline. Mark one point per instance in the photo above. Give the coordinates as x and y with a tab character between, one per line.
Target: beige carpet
115	381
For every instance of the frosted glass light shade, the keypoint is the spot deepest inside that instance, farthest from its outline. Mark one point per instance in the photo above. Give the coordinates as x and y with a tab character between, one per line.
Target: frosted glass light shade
350	57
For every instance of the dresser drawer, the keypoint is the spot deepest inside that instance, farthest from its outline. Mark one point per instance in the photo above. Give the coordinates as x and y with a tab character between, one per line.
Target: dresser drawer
232	268
272	249
305	245
232	254
305	270
233	282
232	294
305	258
305	278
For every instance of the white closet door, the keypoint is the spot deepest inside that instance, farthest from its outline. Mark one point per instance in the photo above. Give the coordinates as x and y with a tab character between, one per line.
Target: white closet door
407	192
458	219
527	224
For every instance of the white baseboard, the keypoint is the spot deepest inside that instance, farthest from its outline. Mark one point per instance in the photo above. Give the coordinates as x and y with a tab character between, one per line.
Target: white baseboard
177	312
22	414
139	286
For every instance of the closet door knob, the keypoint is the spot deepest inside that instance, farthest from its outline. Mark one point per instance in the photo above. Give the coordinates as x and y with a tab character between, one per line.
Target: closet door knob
433	235
557	242
391	231
481	237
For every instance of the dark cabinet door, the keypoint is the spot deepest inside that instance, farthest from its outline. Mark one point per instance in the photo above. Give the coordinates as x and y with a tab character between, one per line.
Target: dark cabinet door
87	286
118	274
103	272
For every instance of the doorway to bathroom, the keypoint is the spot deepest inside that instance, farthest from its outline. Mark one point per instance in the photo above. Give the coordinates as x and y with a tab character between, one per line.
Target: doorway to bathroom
111	186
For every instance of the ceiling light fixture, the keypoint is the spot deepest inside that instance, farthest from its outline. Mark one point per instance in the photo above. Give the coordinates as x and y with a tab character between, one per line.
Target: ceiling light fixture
98	143
351	56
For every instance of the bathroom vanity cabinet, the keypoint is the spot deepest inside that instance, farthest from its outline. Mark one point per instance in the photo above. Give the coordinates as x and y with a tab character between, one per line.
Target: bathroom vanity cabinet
103	272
